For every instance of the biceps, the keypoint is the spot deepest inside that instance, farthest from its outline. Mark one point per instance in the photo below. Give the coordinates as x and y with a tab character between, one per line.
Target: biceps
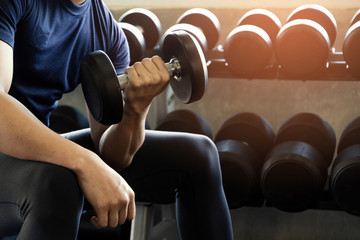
6	66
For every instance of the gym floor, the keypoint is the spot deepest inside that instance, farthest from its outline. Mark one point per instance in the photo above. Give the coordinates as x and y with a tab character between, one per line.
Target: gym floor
276	100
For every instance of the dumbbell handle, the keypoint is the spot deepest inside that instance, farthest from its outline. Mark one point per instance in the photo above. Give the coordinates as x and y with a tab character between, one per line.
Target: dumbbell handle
173	68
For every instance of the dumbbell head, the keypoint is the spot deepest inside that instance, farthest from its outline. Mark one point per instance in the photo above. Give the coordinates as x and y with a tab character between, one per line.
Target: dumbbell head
317	14
242	141
248	48
312	129
350	135
102	89
147	22
355	18
194	31
206	21
136	41
344	179
185	121
303	44
263	19
351	48
290	177
250	128
296	169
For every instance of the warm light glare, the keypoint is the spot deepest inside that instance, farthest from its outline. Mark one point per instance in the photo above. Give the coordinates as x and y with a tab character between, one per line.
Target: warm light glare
230	3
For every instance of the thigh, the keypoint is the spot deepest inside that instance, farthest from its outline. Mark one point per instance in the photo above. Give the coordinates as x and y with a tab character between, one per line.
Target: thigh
167	161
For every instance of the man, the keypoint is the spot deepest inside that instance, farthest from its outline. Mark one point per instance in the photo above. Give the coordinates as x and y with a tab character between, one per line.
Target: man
43	176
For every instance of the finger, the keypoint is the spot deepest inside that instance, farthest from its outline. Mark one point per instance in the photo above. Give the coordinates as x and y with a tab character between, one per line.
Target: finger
123	214
131	210
101	220
113	218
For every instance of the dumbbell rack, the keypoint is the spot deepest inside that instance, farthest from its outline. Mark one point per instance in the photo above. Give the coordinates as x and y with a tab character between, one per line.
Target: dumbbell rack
335	69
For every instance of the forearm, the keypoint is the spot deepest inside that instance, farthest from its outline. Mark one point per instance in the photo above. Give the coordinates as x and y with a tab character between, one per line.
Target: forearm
120	142
24	136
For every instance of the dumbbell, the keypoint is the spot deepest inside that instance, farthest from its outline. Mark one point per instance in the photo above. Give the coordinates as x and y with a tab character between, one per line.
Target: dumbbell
344	177
248	48
295	170
243	141
351	45
206	21
303	43
184	120
142	29
102	88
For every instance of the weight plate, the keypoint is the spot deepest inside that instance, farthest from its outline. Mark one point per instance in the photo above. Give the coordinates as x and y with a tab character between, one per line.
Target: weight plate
312	129
355	18
302	47
194	31
206	21
250	128
263	19
247	50
240	166
148	23
350	135
136	41
344	180
194	75
185	121
351	48
318	14
101	88
290	177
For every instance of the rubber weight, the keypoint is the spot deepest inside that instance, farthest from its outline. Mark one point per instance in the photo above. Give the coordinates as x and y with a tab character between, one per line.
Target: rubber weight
185	121
351	48
206	21
248	48
147	23
295	171
303	43
136	41
242	141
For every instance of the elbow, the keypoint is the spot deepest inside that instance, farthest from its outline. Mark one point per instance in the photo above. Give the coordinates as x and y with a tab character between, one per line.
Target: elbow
120	163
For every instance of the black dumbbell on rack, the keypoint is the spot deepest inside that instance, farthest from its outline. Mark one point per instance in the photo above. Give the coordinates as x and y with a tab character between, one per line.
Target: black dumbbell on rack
201	24
248	48
142	29
183	120
294	173
243	141
304	43
345	173
103	88
351	45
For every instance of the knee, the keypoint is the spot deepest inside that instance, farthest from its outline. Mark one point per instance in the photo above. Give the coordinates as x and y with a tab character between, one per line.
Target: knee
204	154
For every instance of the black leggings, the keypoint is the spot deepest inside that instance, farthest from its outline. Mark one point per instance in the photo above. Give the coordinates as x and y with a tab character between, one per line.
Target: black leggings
43	201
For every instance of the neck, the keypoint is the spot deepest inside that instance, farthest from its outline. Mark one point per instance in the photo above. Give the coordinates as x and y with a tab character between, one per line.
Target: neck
78	2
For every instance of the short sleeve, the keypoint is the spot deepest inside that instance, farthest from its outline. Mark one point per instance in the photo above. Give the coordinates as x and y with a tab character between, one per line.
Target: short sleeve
11	12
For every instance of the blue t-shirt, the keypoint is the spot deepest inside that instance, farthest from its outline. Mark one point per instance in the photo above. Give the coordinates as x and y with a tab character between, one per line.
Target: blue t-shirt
50	38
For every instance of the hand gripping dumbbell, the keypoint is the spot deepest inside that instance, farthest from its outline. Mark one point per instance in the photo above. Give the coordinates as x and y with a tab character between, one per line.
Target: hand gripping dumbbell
142	29
102	88
345	173
303	43
294	173
248	48
351	45
243	141
184	120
